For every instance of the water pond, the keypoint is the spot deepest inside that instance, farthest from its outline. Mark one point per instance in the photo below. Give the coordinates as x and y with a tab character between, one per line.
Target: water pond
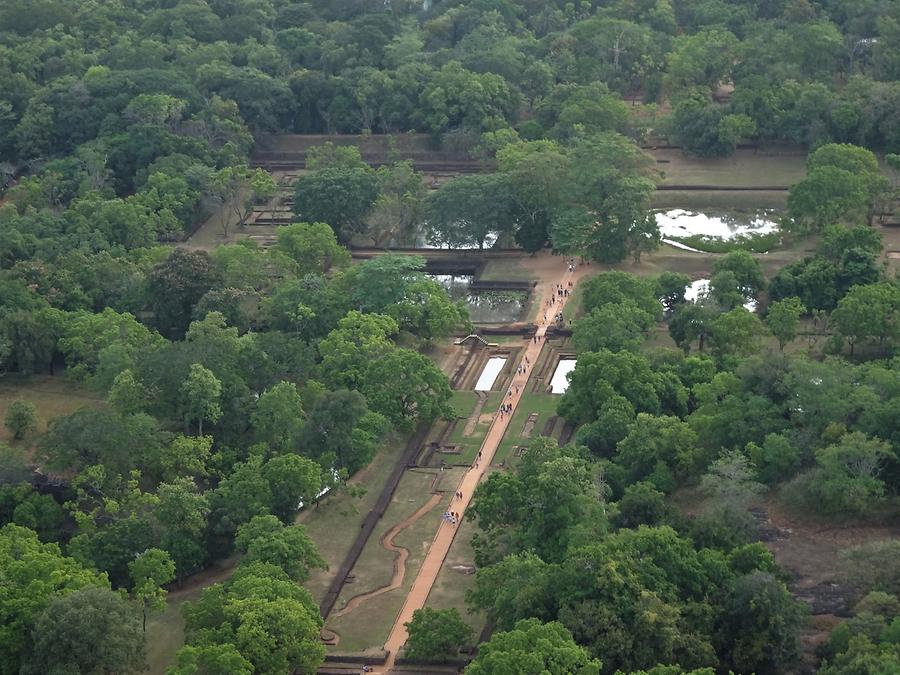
489	375
560	381
484	306
677	224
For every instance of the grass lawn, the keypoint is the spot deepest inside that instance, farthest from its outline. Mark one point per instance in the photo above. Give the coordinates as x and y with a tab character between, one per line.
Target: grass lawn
165	636
464	404
719	200
52	396
505	269
572	310
745	168
334	524
545	407
368	625
451	585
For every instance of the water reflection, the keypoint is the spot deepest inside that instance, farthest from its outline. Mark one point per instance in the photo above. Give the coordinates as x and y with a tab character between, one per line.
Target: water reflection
721	225
484	306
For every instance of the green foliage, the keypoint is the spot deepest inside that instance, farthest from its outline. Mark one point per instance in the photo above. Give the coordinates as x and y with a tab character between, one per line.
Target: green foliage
312	247
436	634
151	570
261	616
533	647
33	575
337	196
783	317
20	419
200	394
265	539
92	630
846	480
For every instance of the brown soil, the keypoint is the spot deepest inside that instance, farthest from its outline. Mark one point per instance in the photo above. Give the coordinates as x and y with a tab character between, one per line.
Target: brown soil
809	548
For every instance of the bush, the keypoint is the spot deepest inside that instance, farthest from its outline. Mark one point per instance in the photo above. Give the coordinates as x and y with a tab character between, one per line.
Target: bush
21	418
436	634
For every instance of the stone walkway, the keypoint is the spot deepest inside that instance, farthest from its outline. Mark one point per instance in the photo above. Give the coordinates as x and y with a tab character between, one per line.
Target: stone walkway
440	546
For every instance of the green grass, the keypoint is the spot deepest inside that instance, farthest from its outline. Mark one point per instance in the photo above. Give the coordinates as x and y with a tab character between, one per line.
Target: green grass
368	626
754	243
719	200
505	269
745	168
451	585
165	636
542	404
52	396
464	404
573	308
334	524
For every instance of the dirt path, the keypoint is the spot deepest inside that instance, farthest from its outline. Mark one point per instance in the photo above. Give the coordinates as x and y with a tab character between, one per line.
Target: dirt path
437	552
400	556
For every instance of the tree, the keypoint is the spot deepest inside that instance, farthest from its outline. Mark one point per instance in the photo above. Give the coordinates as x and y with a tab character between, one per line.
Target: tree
735	332
399	207
536	175
239	189
601	376
312	247
278	417
182	513
127	394
608	197
869	312
350	349
670	288
341	432
642	504
200	395
92	630
261	615
827	195
340	197
32	575
292	480
614	327
267	540
21	418
746	270
176	285
185	456
436	634
404	386
847	478
222	659
759	625
702	59
90	437
533	647
468	209
150	571
660	450
782	319
240	496
775	460
427	311
618	288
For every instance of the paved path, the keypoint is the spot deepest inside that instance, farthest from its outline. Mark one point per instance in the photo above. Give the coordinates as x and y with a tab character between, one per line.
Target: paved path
437	552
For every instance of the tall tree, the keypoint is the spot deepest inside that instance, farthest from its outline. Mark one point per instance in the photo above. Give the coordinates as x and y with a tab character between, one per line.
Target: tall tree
93	630
201	392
